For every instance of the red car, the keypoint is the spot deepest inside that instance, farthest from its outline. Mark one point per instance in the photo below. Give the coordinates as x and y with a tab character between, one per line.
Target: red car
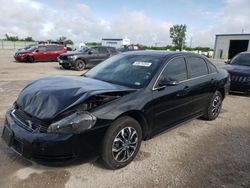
45	52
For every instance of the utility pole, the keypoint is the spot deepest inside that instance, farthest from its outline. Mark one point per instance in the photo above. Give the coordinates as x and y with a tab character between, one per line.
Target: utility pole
191	40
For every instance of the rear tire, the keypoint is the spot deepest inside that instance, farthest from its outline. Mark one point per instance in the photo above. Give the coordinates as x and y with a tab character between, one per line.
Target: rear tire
121	142
214	107
30	59
80	65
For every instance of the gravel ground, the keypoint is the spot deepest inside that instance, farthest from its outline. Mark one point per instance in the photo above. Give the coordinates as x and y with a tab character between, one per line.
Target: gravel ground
197	154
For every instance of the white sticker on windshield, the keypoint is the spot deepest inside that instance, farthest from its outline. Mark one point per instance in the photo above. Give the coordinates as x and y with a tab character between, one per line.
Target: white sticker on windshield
141	63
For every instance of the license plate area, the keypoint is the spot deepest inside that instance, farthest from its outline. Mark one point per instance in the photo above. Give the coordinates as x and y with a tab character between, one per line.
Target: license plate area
8	135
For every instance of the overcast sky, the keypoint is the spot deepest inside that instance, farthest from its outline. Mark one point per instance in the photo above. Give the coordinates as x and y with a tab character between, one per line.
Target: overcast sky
142	21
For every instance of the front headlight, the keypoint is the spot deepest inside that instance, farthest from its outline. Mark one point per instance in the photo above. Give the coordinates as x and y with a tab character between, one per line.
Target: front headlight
74	123
72	57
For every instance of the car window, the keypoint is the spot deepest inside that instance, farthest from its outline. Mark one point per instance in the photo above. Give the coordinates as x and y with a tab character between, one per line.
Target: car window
134	71
103	50
176	70
42	49
198	67
211	67
50	48
59	47
241	59
112	50
94	50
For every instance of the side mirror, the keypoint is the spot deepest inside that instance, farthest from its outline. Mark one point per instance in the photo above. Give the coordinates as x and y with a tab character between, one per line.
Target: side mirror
36	50
90	52
167	82
227	62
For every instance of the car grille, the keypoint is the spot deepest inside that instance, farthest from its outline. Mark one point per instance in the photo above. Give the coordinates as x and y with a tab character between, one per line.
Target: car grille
239	78
29	123
63	57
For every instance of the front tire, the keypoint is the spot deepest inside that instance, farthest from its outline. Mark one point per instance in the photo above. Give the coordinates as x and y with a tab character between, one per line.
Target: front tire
30	59
121	142
214	107
80	65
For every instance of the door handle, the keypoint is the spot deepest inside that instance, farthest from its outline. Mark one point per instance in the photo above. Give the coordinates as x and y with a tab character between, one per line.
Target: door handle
213	81
183	92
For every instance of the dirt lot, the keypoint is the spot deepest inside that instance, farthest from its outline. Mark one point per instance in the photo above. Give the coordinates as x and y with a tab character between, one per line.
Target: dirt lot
197	154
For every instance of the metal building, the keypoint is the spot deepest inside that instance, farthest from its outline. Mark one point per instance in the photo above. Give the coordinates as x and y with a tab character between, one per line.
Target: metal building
115	42
228	45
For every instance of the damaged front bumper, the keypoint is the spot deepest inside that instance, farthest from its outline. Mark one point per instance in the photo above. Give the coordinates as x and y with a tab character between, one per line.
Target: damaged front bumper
49	147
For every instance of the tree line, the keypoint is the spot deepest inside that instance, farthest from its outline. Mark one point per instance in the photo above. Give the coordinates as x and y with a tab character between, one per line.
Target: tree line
63	39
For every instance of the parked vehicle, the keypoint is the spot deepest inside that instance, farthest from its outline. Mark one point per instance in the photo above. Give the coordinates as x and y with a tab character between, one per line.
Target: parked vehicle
239	70
43	52
86	57
111	108
131	47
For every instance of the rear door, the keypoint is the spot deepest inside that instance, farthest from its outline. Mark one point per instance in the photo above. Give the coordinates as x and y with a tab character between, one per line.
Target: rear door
103	54
202	83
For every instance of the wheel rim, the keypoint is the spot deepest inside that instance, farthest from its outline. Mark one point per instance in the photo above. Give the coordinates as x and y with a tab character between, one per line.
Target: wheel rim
216	105
125	144
80	65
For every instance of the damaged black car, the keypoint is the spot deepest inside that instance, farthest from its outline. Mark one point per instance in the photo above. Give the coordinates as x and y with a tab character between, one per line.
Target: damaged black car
111	108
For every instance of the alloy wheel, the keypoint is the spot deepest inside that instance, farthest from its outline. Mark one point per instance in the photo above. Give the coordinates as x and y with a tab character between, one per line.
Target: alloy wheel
216	105
125	144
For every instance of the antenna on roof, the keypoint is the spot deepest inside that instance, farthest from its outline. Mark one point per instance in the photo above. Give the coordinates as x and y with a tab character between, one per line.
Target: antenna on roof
242	31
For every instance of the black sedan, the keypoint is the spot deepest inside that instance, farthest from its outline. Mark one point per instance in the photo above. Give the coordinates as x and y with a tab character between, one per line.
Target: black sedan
86	57
128	98
239	70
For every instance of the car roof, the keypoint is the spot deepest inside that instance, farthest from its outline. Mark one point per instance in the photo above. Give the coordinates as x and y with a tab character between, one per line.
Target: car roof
161	53
247	53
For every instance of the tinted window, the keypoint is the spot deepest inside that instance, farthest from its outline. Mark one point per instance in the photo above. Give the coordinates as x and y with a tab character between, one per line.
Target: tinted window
42	49
112	50
51	48
103	50
94	50
211	67
198	66
176	70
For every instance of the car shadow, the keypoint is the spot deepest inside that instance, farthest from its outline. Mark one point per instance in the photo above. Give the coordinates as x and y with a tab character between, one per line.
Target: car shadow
234	93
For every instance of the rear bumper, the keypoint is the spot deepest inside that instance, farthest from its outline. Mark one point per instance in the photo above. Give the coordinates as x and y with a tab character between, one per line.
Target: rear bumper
49	147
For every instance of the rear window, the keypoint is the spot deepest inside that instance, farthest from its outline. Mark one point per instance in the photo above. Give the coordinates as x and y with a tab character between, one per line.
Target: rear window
112	50
198	66
54	47
211	67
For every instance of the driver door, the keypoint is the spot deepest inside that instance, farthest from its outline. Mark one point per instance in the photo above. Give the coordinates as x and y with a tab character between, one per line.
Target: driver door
172	102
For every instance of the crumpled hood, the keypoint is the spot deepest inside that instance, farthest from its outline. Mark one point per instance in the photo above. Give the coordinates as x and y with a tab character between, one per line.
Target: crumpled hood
237	69
48	97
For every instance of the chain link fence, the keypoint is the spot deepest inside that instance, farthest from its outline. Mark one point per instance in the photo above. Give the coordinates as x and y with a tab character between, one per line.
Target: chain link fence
13	45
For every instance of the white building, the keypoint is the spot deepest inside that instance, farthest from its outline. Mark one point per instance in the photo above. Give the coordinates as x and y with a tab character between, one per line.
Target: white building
228	45
115	42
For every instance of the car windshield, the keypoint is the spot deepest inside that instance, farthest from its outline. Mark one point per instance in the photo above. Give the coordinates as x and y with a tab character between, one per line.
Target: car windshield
31	49
133	71
242	59
82	49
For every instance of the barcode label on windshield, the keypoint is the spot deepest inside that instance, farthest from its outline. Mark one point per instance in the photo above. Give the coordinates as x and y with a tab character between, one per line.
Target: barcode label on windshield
141	63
